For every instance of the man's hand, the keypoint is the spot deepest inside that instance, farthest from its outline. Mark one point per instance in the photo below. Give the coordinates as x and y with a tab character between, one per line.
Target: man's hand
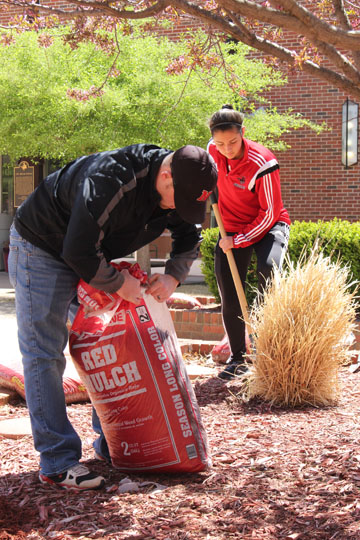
226	243
161	286
130	290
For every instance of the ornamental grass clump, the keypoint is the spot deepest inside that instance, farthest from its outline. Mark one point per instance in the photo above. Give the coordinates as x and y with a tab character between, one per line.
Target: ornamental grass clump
301	330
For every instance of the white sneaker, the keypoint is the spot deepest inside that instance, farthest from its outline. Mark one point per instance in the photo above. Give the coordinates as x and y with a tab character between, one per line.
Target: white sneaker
78	477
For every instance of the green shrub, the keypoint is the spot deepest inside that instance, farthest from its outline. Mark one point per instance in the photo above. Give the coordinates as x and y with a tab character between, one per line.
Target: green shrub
339	239
207	249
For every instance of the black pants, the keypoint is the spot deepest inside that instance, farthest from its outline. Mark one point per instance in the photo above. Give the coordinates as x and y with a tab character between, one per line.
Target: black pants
269	250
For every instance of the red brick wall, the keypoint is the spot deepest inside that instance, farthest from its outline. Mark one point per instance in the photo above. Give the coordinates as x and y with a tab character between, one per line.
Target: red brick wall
315	184
11	11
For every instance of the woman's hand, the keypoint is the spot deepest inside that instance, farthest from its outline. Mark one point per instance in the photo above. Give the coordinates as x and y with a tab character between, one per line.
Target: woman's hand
226	243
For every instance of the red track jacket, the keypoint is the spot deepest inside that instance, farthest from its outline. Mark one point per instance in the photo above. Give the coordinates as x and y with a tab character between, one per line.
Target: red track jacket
249	193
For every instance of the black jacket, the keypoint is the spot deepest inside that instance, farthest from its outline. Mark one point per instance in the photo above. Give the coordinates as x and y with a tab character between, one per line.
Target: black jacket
103	207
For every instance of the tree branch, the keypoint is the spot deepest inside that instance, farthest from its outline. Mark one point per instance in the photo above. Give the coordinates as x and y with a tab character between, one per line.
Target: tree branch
107	6
267	47
300	22
328	75
330	52
330	40
341	14
91	8
344	22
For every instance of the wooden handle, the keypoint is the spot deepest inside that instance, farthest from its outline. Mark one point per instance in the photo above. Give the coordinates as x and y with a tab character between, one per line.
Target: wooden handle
234	271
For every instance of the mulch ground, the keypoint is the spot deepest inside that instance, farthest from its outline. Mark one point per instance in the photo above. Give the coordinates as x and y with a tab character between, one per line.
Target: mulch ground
276	474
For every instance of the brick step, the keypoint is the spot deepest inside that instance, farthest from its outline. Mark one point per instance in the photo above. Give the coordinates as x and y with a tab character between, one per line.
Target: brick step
196	346
199	324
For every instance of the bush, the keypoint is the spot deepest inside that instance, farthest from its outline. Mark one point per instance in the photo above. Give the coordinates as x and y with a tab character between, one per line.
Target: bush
207	250
299	333
339	239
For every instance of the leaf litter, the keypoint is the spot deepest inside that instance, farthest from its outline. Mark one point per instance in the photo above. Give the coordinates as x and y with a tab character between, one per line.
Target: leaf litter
277	473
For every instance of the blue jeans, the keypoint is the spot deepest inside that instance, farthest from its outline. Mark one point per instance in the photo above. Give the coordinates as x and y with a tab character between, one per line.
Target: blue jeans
44	290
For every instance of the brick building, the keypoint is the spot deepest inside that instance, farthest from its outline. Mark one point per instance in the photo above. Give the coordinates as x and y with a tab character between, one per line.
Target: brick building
315	183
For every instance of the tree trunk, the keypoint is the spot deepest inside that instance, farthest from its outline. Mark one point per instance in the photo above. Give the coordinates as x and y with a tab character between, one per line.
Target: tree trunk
143	259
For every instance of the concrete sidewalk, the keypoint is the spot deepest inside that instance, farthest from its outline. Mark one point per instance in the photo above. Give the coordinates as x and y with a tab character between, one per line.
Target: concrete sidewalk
4	282
10	354
7	298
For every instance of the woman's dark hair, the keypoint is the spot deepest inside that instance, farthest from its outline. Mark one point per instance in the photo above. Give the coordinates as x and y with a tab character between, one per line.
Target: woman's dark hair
226	118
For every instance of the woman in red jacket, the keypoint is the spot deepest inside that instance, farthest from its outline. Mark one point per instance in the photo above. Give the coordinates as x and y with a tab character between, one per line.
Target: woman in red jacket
250	204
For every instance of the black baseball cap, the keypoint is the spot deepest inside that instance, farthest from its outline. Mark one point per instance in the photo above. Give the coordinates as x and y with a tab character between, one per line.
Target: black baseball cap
194	175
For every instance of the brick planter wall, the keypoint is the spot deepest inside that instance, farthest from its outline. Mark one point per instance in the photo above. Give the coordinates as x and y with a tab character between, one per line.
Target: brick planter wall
198	324
204	324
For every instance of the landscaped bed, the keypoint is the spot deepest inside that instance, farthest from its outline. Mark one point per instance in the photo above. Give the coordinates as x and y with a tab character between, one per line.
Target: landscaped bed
277	474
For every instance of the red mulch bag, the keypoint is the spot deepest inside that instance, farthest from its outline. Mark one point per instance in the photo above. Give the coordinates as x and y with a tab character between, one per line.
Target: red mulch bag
130	362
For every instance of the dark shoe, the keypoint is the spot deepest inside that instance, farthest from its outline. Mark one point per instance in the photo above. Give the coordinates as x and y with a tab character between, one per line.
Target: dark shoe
232	370
78	477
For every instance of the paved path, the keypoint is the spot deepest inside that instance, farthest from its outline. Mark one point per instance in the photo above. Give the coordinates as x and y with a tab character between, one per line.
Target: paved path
10	355
7	297
8	328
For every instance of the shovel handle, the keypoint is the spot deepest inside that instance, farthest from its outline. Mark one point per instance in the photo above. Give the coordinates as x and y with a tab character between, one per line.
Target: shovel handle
233	268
